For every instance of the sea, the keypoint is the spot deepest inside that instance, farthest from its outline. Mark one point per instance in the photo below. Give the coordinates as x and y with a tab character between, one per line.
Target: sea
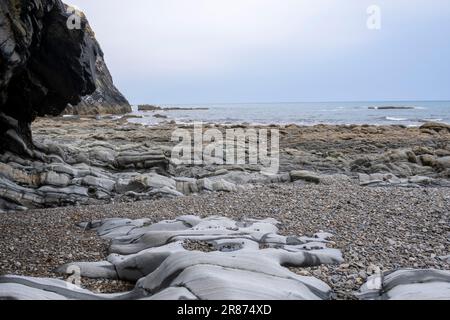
407	113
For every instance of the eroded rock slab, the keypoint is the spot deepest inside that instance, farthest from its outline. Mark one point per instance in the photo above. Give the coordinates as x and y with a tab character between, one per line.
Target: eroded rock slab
102	172
408	284
247	260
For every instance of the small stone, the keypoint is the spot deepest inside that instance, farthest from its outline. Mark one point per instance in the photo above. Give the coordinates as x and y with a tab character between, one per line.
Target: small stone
392	242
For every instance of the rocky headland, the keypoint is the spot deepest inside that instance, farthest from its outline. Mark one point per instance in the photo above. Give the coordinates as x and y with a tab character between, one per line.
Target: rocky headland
106	99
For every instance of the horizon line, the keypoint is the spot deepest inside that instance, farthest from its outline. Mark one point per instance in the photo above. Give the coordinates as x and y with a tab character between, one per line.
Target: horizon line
290	102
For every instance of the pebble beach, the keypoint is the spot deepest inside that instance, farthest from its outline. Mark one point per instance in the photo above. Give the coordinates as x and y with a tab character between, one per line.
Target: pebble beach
380	227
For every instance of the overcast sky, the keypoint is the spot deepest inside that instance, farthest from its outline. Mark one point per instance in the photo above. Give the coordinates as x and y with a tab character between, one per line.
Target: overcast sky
203	51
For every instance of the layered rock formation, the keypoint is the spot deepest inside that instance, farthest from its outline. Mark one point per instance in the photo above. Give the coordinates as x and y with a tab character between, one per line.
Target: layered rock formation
90	161
214	258
44	66
192	258
100	173
407	284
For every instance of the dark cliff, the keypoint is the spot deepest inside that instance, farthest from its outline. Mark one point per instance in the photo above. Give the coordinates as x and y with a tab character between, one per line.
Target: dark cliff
44	66
106	98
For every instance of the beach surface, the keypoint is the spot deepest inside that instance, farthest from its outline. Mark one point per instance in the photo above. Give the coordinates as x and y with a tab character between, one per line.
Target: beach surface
385	228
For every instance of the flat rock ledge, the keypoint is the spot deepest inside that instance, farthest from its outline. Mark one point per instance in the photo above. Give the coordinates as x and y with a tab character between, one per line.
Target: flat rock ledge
192	258
100	175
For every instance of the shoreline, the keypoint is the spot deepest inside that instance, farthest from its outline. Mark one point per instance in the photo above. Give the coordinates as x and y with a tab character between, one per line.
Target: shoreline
131	116
332	113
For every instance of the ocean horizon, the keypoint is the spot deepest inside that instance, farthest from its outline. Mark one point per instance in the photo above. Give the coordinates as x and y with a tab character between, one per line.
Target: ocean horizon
408	113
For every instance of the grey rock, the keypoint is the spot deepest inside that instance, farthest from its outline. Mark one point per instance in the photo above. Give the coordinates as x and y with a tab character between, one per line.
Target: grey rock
407	284
105	184
127	185
154	255
445	258
93	270
55	179
420	180
187	185
443	162
305	176
223	185
154	180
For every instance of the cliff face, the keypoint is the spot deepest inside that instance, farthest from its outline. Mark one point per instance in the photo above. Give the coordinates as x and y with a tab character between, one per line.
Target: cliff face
44	66
106	98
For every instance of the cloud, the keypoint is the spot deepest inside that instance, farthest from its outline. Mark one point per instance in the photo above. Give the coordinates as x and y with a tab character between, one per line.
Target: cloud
211	36
228	44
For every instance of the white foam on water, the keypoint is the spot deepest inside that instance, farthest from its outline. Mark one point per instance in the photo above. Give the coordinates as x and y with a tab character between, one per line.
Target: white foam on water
395	119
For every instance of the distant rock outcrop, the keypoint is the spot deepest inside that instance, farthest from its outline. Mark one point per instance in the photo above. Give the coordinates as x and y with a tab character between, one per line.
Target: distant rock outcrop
150	107
44	65
392	108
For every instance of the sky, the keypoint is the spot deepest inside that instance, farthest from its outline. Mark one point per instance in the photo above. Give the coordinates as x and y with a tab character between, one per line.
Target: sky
225	51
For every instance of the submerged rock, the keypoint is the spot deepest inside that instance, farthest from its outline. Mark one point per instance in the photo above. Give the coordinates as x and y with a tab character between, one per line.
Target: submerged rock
391	108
